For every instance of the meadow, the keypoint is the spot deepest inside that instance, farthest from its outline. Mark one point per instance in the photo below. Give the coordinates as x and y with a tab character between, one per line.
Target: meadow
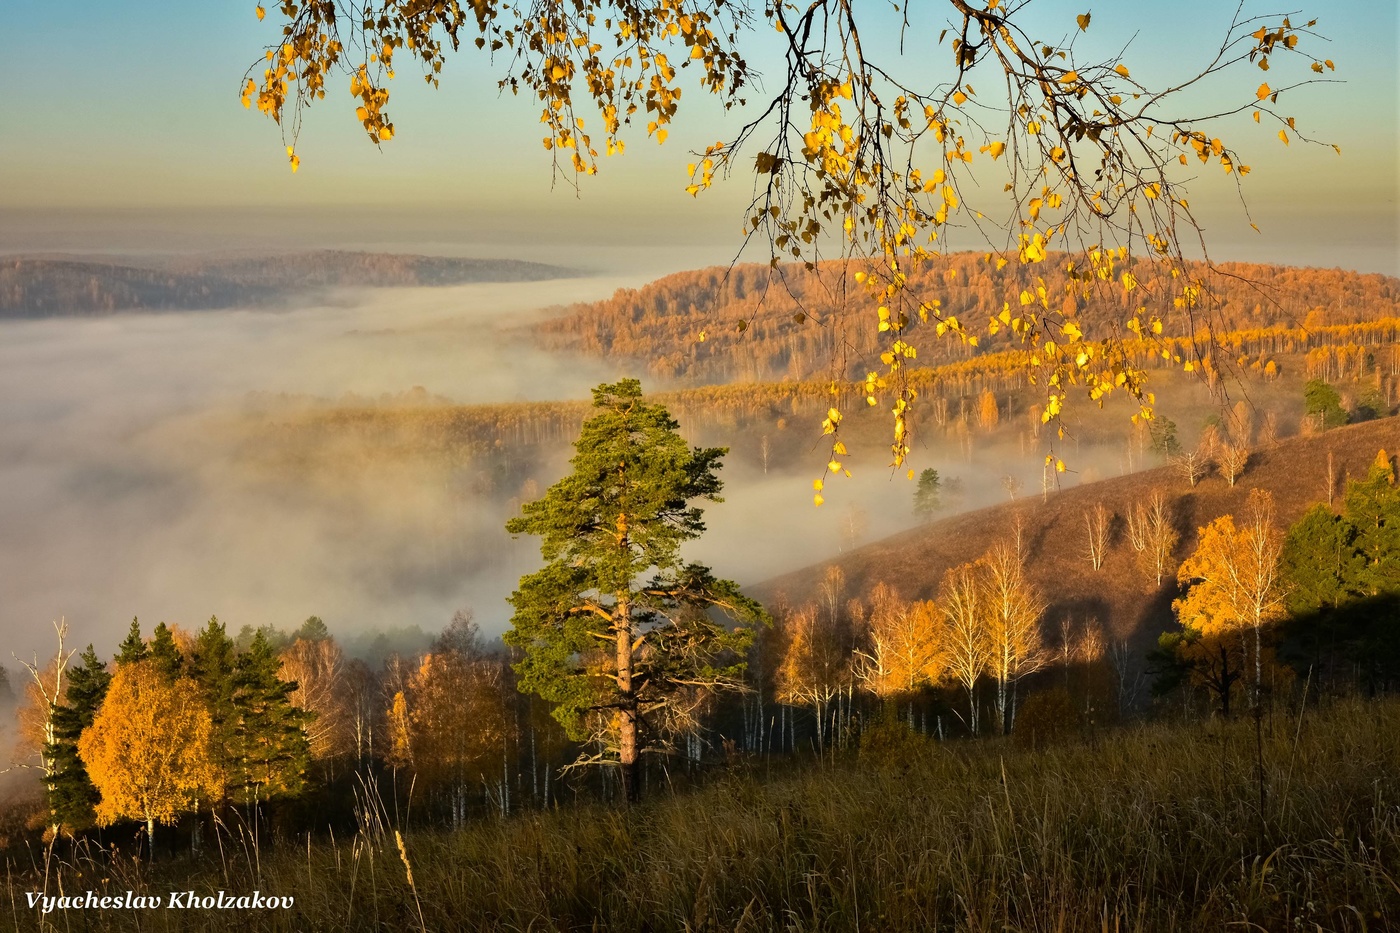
1153	827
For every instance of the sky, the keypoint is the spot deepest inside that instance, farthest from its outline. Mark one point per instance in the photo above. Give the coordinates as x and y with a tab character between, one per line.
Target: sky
123	131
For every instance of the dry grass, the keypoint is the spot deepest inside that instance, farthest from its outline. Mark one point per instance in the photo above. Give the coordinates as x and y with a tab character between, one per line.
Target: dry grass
1151	829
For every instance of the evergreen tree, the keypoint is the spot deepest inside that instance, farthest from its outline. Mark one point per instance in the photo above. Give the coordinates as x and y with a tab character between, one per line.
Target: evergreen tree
164	653
212	668
313	629
928	496
270	742
1322	402
72	796
1319	561
1373	509
133	647
616	630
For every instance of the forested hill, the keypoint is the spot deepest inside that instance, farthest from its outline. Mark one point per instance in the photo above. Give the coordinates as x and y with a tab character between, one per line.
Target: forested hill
61	287
1123	594
686	325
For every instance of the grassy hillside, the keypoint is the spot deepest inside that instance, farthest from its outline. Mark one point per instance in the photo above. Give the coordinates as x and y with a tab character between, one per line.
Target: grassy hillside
1156	828
1120	595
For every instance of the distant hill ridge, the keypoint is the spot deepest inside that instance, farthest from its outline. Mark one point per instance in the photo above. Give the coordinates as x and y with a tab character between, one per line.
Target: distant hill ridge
686	326
63	287
1119	595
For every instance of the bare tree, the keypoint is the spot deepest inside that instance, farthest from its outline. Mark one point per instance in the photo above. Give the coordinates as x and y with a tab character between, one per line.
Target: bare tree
1137	527
968	651
1127	673
1160	536
1097	522
1013	611
1232	461
44	693
1192	465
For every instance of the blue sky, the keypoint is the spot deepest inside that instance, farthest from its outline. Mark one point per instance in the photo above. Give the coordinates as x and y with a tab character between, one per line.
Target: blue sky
125	117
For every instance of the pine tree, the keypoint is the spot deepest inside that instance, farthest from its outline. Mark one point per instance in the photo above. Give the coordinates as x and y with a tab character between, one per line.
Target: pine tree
270	742
212	668
164	653
72	796
928	496
621	656
133	647
313	629
1373	509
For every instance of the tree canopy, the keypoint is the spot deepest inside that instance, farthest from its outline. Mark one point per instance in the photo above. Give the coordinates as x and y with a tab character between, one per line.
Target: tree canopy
148	748
1016	137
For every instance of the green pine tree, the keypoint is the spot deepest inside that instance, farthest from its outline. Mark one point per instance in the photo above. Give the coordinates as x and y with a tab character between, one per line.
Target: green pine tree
133	647
928	495
165	653
1320	562
1373	509
313	629
72	796
212	664
1322	402
272	751
616	630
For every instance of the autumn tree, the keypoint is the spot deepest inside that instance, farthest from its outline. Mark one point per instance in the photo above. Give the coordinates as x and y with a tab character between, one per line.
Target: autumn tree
1232	460
902	647
616	629
1013	609
816	667
316	664
1233	577
961	601
456	715
881	154
988	414
148	748
36	717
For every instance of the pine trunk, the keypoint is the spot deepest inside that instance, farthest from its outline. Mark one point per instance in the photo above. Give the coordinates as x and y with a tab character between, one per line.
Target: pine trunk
627	712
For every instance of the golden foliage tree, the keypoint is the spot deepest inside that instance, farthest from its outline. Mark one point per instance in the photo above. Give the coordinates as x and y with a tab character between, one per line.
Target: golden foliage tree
961	601
457	718
988	414
1013	609
1234	578
148	748
903	648
895	155
816	662
318	668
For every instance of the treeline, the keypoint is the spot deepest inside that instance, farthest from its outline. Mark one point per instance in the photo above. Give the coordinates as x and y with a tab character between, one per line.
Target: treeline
188	727
59	287
756	323
288	729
